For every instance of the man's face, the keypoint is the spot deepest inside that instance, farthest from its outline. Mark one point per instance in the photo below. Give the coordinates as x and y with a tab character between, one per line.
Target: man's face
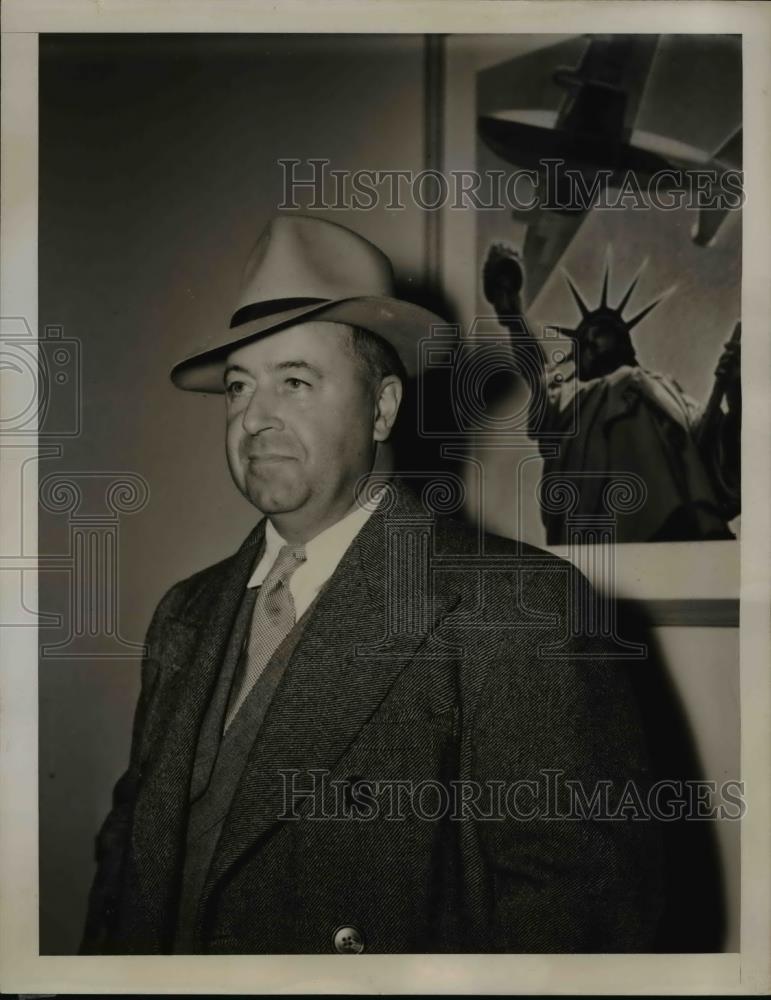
300	418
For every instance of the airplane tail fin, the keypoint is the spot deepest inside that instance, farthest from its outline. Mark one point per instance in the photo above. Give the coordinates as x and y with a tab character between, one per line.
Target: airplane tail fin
730	153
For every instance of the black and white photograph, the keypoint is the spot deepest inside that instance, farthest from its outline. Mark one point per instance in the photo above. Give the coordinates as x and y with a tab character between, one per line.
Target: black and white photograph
386	468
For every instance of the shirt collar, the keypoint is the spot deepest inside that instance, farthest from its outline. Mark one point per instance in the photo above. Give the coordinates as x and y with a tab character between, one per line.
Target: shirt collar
322	553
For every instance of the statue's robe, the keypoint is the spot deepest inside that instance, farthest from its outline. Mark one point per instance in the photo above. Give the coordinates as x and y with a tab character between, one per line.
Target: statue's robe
632	421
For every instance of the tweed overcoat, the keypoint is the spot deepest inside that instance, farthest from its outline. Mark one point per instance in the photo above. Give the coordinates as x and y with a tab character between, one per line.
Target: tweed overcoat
437	658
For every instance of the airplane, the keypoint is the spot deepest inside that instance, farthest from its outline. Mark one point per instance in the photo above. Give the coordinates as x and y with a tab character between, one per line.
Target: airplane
592	134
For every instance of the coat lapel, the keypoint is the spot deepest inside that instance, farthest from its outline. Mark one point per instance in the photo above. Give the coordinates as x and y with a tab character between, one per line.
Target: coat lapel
341	670
162	801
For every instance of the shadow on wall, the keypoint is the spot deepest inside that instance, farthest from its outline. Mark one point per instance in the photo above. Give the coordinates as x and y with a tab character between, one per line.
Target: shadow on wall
694	918
694	915
427	418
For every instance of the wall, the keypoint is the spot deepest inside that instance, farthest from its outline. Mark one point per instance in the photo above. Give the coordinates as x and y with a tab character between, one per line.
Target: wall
157	171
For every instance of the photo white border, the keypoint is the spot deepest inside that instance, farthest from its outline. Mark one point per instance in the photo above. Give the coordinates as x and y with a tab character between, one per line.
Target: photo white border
21	968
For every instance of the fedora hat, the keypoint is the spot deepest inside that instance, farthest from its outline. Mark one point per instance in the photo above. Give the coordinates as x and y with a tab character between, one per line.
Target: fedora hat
304	269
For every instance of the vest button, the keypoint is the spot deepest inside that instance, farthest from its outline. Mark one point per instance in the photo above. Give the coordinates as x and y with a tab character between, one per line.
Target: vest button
348	941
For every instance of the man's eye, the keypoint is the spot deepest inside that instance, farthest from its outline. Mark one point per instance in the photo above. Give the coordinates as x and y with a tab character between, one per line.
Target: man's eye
295	383
235	388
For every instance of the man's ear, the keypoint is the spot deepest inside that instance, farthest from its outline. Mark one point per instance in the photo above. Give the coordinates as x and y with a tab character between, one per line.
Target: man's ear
387	402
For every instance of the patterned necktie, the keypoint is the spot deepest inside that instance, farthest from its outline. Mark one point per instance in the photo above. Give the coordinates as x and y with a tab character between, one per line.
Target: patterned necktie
273	619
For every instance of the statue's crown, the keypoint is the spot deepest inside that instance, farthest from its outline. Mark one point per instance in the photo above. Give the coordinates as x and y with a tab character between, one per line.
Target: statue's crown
609	318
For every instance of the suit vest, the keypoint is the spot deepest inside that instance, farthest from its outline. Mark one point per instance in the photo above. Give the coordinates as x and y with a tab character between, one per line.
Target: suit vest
220	760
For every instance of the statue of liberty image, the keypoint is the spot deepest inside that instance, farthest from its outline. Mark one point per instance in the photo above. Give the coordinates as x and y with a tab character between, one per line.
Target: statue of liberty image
626	418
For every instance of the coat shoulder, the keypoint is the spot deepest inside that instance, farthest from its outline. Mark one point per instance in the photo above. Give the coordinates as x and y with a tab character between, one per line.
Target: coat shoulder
519	592
517	561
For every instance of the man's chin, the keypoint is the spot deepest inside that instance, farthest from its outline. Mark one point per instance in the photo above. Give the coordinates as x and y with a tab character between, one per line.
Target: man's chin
275	499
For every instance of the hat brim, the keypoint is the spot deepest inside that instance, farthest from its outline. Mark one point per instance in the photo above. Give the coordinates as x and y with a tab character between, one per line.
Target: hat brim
402	324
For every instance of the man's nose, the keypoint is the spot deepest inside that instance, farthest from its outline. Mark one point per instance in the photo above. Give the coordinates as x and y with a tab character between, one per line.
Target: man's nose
261	413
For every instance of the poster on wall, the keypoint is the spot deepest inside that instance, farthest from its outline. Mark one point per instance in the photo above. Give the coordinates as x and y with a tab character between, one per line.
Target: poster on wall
609	233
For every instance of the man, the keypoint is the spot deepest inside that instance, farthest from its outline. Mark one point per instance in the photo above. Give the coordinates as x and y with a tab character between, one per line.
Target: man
351	653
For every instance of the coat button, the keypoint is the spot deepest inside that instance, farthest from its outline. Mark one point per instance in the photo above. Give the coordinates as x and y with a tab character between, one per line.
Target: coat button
348	941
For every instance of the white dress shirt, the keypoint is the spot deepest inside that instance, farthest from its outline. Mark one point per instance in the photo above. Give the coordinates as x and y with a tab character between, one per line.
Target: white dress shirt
322	555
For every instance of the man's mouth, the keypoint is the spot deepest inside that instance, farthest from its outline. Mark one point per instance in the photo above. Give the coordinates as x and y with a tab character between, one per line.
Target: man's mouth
267	459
